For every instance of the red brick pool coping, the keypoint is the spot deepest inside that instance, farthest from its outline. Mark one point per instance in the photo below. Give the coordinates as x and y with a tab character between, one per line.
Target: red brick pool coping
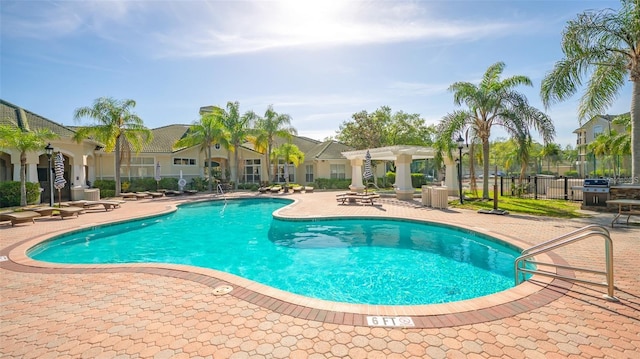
535	293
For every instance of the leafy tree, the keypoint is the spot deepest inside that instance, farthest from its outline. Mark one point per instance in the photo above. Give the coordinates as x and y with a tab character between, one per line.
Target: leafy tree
117	127
383	128
604	46
267	129
492	102
208	131
24	141
238	128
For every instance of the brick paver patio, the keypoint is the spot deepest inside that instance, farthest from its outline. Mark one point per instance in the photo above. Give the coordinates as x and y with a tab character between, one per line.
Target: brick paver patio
166	311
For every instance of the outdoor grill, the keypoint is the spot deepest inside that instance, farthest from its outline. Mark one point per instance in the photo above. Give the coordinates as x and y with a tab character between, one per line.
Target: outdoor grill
596	192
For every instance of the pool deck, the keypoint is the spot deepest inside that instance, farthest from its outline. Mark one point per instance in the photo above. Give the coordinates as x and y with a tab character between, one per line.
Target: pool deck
170	311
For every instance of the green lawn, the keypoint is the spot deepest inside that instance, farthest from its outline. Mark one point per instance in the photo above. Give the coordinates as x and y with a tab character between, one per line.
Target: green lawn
539	207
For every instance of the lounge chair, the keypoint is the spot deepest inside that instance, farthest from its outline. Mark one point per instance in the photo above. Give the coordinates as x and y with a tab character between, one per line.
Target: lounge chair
275	189
91	204
131	195
44	211
69	211
151	194
308	189
361	198
297	189
190	191
19	217
263	189
171	192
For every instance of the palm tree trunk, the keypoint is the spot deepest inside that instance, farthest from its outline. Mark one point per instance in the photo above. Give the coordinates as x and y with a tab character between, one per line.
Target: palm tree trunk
485	166
117	169
234	169
635	132
209	169
268	163
23	178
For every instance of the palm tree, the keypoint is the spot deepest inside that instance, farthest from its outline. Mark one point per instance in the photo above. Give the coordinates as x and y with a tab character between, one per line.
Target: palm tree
116	127
493	102
268	128
24	141
601	147
290	153
239	127
206	132
604	45
551	152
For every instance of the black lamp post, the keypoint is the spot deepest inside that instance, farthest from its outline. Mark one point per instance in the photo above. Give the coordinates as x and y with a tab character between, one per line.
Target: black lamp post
460	142
49	151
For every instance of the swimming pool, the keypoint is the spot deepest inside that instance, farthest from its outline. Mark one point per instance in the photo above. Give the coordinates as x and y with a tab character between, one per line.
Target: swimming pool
367	261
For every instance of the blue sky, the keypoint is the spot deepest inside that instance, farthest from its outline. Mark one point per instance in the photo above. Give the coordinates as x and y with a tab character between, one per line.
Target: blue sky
319	62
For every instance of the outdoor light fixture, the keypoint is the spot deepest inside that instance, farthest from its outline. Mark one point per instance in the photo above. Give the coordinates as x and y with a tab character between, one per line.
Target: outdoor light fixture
49	151
460	142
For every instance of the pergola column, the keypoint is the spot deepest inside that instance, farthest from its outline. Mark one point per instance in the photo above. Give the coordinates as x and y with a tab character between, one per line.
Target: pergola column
356	175
404	189
451	176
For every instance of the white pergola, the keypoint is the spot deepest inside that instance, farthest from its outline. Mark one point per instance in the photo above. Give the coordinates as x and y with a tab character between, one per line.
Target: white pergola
402	156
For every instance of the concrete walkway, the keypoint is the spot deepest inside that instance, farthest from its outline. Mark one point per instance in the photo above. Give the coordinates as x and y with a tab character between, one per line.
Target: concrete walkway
56	311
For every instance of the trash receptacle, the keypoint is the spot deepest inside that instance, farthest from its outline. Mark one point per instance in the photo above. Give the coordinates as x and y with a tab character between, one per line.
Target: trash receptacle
92	194
77	194
439	197
426	195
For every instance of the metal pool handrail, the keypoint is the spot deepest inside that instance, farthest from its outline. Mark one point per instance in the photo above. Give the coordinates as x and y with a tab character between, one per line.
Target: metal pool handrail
564	240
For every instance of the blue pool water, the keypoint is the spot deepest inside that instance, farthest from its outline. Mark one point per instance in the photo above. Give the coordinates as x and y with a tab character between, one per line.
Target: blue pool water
367	261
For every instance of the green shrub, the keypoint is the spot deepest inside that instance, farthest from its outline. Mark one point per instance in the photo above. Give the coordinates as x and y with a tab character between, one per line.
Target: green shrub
571	173
105	185
10	193
332	183
107	193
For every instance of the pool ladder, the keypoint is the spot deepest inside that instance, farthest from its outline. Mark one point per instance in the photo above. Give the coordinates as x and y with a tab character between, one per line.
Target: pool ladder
221	192
592	230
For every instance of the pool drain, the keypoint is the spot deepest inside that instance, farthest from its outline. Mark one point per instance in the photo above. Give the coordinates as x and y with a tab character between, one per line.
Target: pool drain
222	290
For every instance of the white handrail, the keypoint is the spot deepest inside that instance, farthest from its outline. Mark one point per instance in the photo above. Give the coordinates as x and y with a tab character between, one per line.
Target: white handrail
566	239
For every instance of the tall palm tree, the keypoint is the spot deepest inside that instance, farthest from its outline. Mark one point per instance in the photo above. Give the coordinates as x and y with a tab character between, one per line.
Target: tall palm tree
239	127
270	127
494	102
117	127
206	132
24	141
604	45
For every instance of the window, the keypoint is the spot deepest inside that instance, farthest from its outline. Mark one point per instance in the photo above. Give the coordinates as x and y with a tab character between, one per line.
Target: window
597	130
184	161
139	167
279	175
252	171
308	176
338	172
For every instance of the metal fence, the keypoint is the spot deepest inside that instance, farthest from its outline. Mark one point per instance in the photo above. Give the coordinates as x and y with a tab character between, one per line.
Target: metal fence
542	187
